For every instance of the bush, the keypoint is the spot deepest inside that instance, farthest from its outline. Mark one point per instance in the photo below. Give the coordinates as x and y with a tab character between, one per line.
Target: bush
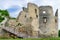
3	13
59	33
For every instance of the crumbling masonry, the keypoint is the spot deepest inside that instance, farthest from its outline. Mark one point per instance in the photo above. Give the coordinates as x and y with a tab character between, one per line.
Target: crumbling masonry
32	22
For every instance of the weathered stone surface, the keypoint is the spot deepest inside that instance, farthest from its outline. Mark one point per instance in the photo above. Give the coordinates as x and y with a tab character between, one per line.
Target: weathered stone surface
36	22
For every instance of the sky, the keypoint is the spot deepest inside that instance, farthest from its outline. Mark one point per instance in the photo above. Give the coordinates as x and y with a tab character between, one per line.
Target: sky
15	6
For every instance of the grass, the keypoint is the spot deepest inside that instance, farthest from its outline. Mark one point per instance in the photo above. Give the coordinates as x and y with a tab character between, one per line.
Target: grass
58	38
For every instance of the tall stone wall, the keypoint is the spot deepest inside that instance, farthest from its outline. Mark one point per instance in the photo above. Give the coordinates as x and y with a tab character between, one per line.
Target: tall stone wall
33	11
47	27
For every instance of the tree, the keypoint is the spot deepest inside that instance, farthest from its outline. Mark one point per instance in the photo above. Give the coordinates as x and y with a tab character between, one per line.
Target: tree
3	13
59	33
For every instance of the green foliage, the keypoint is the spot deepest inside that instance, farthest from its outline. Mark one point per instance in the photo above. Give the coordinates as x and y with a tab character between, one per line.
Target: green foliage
1	18
3	13
33	39
59	33
12	18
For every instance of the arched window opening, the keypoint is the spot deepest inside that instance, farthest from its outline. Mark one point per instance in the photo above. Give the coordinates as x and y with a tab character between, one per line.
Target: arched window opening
37	16
30	17
25	16
36	11
44	19
44	12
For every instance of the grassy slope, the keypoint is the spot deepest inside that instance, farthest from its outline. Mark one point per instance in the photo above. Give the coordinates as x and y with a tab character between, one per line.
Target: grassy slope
34	39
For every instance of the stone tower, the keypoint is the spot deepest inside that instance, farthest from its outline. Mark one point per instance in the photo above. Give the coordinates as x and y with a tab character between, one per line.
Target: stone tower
48	22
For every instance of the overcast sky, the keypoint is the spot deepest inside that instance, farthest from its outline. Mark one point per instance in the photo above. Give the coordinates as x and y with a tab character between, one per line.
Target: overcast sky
15	6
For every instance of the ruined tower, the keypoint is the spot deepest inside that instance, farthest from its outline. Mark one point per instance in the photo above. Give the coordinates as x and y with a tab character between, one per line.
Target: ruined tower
48	22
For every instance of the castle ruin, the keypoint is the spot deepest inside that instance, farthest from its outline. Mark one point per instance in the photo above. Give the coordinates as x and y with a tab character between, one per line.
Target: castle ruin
32	22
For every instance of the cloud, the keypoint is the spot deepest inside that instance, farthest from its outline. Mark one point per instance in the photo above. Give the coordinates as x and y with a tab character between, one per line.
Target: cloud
13	10
15	6
5	4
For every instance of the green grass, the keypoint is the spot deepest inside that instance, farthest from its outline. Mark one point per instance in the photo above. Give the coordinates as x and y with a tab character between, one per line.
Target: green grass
33	39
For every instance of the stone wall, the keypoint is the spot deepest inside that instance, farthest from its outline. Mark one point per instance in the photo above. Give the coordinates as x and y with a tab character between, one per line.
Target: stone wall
35	21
